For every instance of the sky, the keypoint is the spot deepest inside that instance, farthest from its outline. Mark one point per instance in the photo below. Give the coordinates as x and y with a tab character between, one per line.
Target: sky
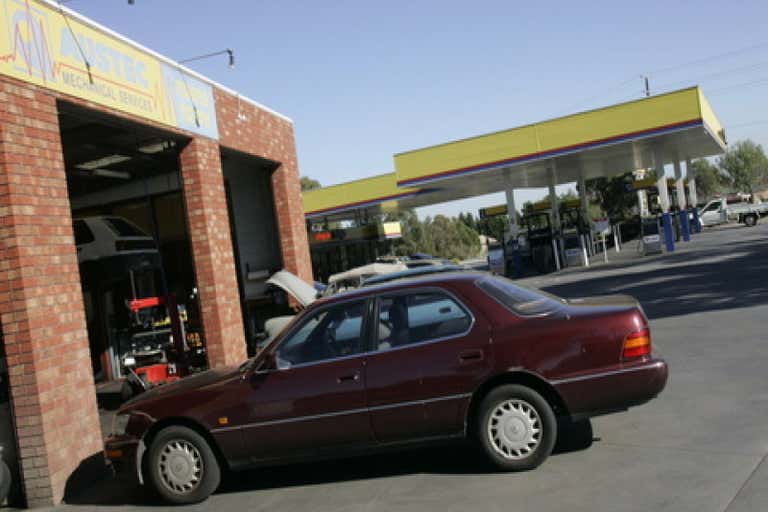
363	80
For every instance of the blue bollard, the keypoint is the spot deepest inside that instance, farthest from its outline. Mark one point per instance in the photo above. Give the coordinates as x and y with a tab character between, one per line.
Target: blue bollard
696	221
517	260
669	239
684	226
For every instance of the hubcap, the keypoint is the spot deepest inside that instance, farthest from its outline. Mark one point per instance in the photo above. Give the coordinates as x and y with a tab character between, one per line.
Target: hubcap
514	429
181	466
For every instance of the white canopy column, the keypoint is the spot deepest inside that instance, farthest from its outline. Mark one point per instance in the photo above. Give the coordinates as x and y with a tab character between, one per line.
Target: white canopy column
661	185
682	213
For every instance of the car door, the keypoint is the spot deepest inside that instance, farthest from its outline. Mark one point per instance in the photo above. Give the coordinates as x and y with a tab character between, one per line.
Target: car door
712	214
428	355
314	399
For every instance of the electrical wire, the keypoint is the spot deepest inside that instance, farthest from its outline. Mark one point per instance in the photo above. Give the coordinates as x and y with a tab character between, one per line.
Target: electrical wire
751	123
735	86
189	93
77	42
698	61
712	75
603	92
709	58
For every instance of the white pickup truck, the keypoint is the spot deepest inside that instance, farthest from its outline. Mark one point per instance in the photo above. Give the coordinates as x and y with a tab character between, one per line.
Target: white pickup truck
718	211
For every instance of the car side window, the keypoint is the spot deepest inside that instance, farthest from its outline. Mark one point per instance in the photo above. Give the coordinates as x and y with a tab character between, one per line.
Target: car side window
330	333
415	318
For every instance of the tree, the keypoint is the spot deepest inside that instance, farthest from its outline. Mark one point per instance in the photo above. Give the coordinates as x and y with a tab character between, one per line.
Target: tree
308	183
493	226
441	236
709	179
450	238
614	195
469	220
746	164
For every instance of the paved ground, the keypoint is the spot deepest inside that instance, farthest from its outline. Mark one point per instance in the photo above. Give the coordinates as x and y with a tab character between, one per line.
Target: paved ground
701	446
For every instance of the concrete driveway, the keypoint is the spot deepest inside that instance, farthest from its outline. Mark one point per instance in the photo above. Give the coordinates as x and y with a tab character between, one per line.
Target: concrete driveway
701	446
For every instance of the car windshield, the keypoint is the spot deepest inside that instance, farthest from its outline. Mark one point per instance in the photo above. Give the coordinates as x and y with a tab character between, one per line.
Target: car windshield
123	228
520	299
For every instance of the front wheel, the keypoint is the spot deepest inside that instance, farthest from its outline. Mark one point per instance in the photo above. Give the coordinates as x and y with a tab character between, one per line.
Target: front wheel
517	428
182	468
5	481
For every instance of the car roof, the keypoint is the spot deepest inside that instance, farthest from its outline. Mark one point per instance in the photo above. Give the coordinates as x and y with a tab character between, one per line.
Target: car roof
407	282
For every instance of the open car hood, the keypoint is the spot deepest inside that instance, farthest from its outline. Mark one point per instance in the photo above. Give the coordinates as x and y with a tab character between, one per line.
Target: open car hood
372	269
304	293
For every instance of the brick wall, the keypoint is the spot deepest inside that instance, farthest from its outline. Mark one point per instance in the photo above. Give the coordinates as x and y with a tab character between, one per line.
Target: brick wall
247	128
41	308
208	221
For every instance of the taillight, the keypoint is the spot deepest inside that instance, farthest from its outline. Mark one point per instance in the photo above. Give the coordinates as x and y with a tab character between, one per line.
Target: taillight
637	344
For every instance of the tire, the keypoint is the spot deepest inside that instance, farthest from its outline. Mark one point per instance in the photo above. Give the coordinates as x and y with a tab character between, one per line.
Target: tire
5	481
186	449
750	220
522	410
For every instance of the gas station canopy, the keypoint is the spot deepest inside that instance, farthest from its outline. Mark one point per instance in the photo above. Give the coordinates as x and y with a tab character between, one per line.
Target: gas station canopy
599	143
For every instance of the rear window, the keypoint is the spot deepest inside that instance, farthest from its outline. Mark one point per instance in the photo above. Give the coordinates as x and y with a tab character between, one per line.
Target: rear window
123	228
519	299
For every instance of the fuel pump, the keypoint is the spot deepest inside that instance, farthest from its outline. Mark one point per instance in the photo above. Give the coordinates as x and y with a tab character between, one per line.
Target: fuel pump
574	232
540	237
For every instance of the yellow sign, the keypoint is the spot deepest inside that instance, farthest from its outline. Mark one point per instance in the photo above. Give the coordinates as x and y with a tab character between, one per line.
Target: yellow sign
391	229
45	45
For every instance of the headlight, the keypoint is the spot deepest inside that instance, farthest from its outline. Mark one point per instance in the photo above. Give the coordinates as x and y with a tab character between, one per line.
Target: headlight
119	422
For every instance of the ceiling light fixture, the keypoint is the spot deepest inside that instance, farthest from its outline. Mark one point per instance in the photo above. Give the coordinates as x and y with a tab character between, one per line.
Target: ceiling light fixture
157	147
106	173
102	162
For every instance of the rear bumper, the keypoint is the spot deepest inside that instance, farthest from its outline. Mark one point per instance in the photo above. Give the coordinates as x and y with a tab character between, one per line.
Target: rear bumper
613	389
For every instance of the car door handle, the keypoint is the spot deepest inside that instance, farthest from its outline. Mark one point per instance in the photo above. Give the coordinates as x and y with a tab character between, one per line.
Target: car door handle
470	356
352	377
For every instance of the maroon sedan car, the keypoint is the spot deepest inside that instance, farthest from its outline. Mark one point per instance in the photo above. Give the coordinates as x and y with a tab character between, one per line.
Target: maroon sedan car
432	358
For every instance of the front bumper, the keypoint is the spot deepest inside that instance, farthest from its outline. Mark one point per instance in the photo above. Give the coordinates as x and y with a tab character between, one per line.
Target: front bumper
613	389
124	452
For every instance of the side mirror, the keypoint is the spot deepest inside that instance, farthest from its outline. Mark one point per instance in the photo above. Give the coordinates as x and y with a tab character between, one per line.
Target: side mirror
282	364
272	362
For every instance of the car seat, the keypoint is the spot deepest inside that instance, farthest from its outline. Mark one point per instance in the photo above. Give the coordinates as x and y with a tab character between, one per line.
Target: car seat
398	316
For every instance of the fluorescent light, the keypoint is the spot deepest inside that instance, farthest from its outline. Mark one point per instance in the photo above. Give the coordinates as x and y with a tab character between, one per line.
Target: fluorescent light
157	147
106	173
103	162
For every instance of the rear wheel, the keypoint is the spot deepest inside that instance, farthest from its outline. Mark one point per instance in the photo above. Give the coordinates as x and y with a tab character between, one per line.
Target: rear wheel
750	220
517	428
182	467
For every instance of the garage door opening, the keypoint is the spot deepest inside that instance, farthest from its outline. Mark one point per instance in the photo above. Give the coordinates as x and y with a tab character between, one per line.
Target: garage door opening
255	239
133	245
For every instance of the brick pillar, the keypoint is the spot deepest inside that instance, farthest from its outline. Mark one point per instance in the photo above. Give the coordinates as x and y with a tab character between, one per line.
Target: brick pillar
290	218
41	304
208	222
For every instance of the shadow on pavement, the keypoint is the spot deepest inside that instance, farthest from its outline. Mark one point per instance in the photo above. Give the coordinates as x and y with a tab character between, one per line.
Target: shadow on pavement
454	459
735	278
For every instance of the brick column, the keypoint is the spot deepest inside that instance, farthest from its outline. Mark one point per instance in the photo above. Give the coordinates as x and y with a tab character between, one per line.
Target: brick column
290	219
208	222
41	304
248	128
